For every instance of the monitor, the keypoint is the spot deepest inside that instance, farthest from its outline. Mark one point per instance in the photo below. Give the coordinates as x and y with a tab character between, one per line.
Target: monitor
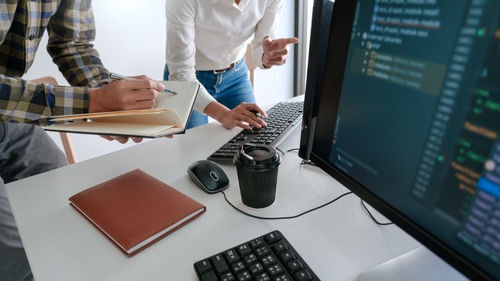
408	117
320	31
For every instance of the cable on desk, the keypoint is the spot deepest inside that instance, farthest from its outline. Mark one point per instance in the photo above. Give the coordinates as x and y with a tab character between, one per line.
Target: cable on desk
304	162
288	217
373	218
307	162
285	152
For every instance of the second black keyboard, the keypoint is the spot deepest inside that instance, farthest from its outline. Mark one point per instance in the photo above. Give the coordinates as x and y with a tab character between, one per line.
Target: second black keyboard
281	120
266	258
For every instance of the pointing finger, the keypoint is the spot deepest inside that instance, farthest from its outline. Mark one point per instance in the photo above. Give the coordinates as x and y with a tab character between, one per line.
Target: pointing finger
278	53
283	42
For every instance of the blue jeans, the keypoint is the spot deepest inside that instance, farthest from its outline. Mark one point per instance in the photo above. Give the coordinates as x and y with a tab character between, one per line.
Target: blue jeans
229	88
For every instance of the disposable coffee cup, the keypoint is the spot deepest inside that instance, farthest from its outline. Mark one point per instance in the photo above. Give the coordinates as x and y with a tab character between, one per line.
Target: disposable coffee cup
257	167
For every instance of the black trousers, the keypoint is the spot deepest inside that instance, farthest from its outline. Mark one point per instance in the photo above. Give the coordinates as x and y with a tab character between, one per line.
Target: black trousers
25	150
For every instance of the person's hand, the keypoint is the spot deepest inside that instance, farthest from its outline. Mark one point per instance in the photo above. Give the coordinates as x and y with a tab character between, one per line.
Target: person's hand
121	139
275	51
244	115
137	93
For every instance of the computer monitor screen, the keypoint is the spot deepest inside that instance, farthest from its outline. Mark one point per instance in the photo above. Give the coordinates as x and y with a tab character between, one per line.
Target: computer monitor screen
409	119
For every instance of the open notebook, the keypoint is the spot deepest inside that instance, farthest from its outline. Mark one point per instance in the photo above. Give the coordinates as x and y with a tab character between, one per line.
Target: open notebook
170	116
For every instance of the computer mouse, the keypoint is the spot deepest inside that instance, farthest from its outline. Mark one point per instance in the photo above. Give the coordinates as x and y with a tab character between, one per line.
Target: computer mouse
208	175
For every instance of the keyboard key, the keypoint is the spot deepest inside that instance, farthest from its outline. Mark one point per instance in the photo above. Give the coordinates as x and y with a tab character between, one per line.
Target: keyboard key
294	266
220	264
274	270
263	277
209	276
256	268
250	259
280	247
244	250
203	266
238	266
231	256
244	276
286	256
262	251
303	275
227	277
268	261
272	238
282	278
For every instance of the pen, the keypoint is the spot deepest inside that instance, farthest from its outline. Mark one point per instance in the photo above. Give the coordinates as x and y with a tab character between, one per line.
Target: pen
116	76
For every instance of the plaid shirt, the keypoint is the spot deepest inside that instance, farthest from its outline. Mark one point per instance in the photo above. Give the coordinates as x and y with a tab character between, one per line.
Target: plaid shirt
70	25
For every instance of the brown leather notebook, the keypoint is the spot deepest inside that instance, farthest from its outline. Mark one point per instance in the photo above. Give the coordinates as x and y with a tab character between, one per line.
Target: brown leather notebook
135	210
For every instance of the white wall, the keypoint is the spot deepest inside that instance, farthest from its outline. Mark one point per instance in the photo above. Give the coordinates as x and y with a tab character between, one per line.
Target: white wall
276	84
131	41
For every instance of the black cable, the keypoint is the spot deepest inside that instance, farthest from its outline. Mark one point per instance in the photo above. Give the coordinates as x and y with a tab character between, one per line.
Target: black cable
305	162
284	218
279	149
285	152
373	218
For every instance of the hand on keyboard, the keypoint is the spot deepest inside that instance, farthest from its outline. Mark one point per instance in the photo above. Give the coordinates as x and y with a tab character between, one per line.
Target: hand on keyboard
281	120
242	116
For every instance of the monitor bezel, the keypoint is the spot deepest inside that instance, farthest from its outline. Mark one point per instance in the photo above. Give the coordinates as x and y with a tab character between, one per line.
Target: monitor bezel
320	28
343	17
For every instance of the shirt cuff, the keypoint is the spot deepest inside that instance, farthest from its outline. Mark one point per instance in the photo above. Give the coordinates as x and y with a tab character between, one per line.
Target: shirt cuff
71	100
202	100
258	52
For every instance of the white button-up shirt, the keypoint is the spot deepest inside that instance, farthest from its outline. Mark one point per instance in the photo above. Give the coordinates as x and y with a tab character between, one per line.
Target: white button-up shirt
212	34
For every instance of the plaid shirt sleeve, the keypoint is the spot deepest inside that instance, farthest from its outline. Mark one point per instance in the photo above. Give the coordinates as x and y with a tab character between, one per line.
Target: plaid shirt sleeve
25	102
71	30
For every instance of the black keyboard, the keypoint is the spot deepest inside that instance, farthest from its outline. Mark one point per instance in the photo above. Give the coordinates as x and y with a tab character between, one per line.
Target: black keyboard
281	120
266	258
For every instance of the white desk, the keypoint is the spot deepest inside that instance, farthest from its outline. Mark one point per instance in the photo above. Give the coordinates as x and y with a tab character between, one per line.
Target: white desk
338	241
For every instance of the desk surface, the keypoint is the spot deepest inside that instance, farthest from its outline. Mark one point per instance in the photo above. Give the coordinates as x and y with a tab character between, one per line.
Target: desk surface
338	241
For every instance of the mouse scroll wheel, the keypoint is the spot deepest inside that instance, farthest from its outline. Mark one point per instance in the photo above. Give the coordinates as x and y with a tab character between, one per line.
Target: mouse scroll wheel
214	176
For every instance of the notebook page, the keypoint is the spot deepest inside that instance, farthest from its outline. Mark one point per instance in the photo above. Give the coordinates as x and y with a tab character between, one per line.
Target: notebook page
182	101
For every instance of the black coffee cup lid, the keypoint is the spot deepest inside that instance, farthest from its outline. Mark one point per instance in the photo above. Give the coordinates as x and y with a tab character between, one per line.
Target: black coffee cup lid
257	155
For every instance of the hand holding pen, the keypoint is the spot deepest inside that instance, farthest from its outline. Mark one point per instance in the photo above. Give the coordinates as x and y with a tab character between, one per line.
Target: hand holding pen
125	94
116	76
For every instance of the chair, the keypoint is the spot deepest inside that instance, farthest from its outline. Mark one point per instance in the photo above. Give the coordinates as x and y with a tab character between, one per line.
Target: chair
68	147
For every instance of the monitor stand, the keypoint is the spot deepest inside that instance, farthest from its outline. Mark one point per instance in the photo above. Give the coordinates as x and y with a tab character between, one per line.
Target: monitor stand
416	265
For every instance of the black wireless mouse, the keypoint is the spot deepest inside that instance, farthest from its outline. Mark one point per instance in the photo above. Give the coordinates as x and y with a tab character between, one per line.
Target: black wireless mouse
208	175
